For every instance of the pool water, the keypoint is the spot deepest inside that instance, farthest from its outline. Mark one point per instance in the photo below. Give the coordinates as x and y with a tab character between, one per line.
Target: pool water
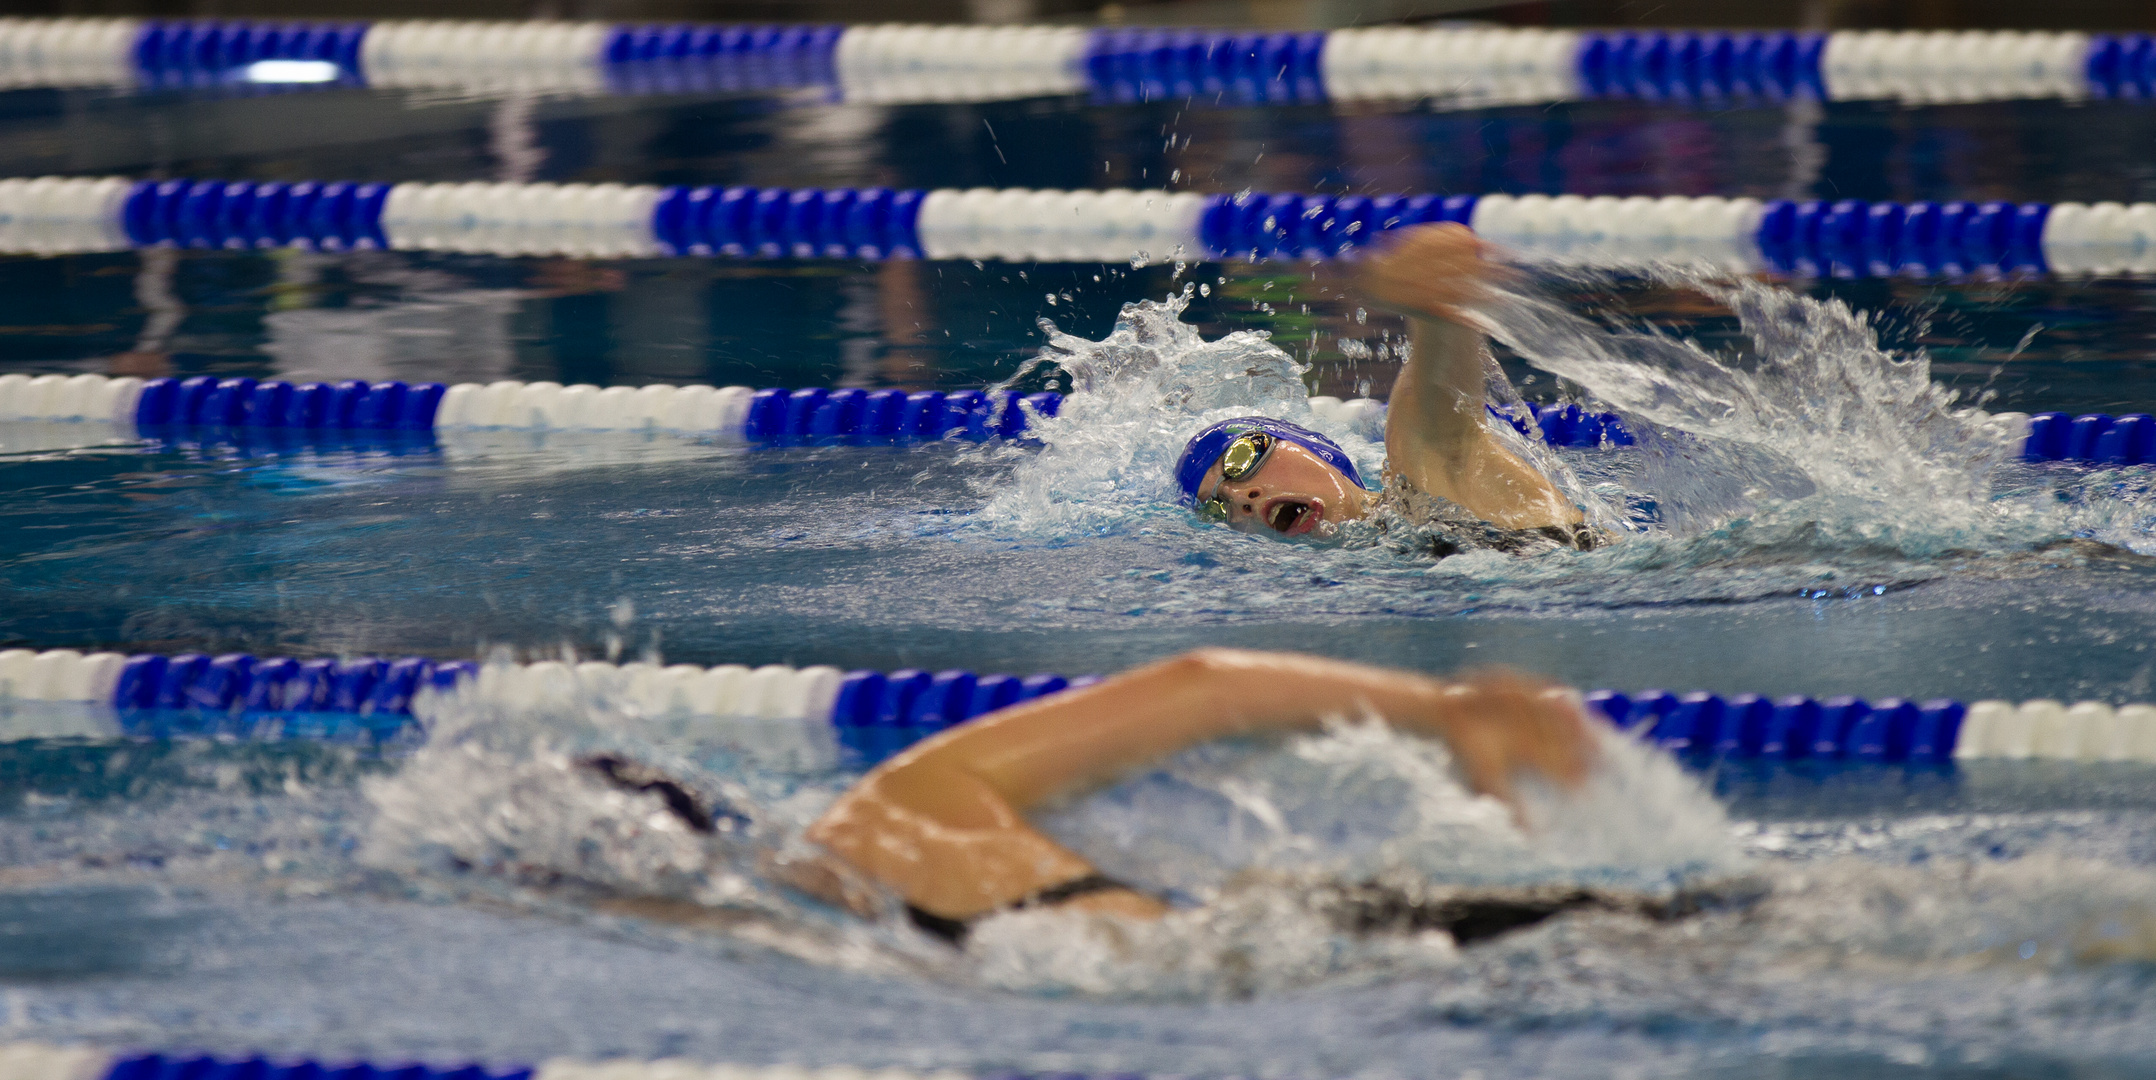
1070	559
287	900
1991	919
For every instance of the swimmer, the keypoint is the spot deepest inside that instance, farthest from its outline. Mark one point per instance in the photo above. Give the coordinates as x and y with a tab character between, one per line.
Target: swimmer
1444	466
943	824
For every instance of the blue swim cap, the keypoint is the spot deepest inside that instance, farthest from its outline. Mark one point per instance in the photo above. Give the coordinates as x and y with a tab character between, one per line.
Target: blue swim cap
1206	447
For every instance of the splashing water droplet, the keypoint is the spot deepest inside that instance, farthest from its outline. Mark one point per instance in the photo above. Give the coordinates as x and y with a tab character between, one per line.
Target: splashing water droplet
1818	422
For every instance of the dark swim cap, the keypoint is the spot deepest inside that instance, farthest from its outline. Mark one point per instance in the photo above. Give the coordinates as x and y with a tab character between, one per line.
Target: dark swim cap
1206	447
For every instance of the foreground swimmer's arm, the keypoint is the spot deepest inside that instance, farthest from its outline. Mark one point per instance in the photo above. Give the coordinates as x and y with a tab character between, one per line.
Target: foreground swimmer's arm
1436	433
943	823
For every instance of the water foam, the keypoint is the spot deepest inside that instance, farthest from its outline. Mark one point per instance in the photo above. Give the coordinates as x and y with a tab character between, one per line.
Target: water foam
495	803
1136	396
1816	417
1362	801
496	789
1252	834
1934	931
1237	832
1812	438
1247	837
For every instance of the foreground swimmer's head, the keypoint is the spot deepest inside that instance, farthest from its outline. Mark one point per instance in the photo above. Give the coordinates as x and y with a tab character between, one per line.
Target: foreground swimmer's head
1265	475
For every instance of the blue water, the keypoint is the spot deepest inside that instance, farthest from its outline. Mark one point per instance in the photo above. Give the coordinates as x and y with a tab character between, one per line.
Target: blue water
1985	921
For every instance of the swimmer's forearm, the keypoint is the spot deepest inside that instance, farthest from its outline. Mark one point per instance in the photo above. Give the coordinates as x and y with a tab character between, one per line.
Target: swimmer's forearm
1435	275
1438	435
1436	402
1034	752
1446	365
944	824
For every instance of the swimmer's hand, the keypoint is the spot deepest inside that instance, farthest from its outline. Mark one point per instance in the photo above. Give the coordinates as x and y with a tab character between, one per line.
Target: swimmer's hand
1436	271
1500	723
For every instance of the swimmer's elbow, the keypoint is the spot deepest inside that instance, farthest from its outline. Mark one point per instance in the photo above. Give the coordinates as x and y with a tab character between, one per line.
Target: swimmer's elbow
1210	662
1216	668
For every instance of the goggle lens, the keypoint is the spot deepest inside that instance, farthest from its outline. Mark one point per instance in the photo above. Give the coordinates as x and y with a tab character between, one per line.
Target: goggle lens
1244	455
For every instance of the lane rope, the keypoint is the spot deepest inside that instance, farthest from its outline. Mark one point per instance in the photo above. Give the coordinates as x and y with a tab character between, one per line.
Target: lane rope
875	713
273	416
43	1061
1841	238
892	63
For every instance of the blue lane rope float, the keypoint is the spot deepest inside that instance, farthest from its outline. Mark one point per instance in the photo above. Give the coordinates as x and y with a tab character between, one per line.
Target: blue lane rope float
179	1066
1558	425
877	713
889	63
401	417
1844	237
45	1061
2092	437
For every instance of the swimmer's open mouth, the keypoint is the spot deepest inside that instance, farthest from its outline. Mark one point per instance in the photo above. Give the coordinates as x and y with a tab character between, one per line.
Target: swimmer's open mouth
1291	517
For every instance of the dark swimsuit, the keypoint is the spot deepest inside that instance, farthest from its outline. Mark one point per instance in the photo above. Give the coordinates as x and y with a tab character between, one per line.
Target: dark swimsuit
1472	915
638	778
1469	915
1443	528
954	930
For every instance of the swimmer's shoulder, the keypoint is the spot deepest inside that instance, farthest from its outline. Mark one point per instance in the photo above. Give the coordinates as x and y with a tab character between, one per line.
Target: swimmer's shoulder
1445	528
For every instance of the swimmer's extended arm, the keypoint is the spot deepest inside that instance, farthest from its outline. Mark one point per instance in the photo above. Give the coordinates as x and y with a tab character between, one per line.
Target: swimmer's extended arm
943	824
1436	432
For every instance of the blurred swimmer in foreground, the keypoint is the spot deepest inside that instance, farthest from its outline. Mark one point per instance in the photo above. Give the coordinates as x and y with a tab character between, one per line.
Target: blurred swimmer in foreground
1445	467
943	824
942	827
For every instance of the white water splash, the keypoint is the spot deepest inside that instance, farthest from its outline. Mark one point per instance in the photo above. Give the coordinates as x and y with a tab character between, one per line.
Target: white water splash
1254	940
1811	438
1642	825
496	804
1363	801
1249	831
1818	419
1136	396
495	789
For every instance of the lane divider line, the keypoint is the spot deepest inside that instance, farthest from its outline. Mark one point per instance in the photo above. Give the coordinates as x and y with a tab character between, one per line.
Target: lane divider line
877	713
897	63
1841	238
399	415
43	1061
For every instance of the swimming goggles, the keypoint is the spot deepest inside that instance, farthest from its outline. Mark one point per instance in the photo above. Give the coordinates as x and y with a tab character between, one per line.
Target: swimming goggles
1239	462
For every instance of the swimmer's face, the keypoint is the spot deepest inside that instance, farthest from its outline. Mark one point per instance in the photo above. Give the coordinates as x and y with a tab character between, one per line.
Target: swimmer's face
1294	493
